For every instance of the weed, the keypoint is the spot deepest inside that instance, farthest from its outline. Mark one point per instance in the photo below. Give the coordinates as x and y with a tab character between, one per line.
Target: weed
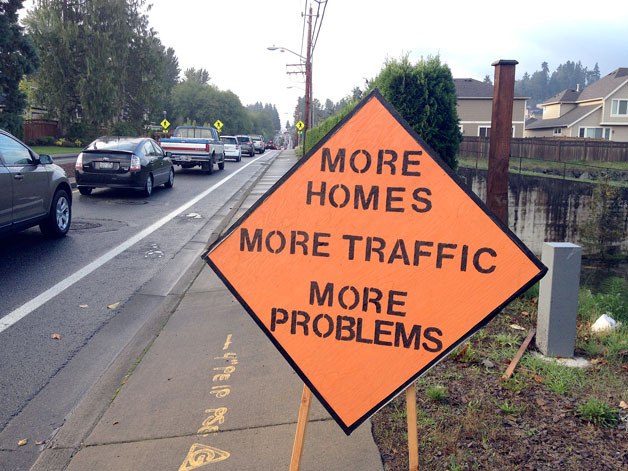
436	393
514	384
464	353
507	340
531	432
511	409
559	379
453	464
474	405
598	413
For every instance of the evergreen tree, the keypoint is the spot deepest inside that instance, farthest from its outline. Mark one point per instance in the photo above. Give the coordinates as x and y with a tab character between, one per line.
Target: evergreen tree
425	95
17	59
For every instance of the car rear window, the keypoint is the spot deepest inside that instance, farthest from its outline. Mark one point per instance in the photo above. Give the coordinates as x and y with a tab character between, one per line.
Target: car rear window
194	132
112	145
243	139
229	140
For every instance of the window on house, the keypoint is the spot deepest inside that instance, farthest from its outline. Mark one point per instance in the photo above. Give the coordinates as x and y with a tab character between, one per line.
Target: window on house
485	131
619	108
558	131
595	133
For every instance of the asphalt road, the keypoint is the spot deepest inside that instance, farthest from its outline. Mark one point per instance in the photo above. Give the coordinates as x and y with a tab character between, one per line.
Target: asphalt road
118	242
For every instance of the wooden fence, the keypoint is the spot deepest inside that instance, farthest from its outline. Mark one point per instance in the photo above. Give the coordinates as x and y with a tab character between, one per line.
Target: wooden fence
36	128
548	148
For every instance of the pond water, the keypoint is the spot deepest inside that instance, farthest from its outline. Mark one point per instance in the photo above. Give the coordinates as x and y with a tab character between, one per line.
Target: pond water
552	210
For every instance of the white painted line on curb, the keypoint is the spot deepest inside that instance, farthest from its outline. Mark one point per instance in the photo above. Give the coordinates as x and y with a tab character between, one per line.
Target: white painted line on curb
24	310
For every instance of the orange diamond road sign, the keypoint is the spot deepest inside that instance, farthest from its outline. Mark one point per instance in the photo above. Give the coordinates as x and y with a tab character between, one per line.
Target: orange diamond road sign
368	262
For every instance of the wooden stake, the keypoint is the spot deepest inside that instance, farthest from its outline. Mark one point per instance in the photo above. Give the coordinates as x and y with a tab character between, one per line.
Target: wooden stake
413	439
299	437
517	357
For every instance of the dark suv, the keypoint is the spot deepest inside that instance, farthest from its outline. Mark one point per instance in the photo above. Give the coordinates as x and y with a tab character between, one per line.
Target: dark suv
33	190
246	145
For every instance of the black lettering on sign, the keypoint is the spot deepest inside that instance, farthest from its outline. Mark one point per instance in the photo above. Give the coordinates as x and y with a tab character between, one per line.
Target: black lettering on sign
337	163
276	242
345	328
390	162
356	165
408	163
426	204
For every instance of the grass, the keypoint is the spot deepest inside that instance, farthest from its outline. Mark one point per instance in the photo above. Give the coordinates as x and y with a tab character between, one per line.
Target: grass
598	413
54	150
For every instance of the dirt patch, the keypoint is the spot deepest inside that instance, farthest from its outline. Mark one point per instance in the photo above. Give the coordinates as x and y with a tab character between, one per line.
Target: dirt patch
469	419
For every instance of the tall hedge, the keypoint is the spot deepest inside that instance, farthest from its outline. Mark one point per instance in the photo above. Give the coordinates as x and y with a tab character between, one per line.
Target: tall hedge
425	95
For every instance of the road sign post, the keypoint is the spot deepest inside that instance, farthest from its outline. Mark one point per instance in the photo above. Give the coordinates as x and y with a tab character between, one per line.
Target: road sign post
368	262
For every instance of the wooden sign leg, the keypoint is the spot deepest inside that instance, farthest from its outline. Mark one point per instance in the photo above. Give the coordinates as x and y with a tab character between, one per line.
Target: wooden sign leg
413	439
299	437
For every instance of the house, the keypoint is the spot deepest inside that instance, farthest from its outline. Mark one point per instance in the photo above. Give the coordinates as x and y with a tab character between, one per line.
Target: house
599	111
475	108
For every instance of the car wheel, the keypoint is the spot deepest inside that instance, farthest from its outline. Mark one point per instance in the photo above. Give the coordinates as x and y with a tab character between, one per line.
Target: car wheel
170	182
85	190
148	186
207	167
239	158
221	164
58	221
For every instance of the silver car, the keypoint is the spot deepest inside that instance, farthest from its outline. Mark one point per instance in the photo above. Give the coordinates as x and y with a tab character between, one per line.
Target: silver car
33	190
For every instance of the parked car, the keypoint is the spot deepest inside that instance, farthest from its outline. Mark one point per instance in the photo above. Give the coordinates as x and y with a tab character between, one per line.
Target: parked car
33	190
232	148
258	143
123	162
246	145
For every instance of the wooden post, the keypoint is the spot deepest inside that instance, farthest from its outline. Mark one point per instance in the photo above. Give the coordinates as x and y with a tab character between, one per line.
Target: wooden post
413	439
501	135
299	437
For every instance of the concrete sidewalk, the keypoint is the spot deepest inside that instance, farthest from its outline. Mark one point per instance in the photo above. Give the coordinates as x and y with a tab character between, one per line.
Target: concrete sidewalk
212	392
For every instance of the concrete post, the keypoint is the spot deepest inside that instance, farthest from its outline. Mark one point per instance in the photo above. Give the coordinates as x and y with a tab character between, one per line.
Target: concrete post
558	299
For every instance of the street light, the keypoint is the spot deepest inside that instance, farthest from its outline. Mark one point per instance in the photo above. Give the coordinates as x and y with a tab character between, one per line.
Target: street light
307	61
285	49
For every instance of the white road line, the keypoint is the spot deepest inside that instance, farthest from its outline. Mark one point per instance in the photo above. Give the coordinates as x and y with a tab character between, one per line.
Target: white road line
24	310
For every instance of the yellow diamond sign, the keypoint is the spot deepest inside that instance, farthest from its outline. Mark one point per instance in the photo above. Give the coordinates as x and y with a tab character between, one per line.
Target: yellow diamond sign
165	124
218	124
300	125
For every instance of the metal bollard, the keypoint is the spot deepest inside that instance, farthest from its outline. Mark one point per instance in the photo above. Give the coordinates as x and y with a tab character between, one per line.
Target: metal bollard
558	299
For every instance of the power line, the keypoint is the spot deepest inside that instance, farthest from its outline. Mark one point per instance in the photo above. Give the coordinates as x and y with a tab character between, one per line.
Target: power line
319	24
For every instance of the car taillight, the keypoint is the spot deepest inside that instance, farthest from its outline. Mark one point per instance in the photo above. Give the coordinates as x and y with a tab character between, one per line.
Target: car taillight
79	162
135	163
207	147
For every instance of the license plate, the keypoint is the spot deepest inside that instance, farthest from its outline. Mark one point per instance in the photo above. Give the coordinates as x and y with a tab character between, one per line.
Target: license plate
105	165
185	158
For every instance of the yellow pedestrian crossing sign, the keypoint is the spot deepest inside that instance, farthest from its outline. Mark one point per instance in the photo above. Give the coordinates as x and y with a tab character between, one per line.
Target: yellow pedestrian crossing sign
165	124
300	125
218	124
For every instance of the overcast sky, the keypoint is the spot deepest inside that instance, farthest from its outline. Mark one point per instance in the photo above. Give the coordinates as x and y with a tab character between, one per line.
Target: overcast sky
229	38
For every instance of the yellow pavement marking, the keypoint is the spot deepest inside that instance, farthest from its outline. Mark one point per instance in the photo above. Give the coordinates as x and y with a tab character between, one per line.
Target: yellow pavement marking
202	455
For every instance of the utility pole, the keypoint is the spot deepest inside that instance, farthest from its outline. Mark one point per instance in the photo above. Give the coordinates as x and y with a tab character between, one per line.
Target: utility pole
308	77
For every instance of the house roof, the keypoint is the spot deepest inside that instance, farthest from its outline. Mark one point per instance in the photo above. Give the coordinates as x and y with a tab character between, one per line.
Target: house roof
566	96
474	89
597	90
566	120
